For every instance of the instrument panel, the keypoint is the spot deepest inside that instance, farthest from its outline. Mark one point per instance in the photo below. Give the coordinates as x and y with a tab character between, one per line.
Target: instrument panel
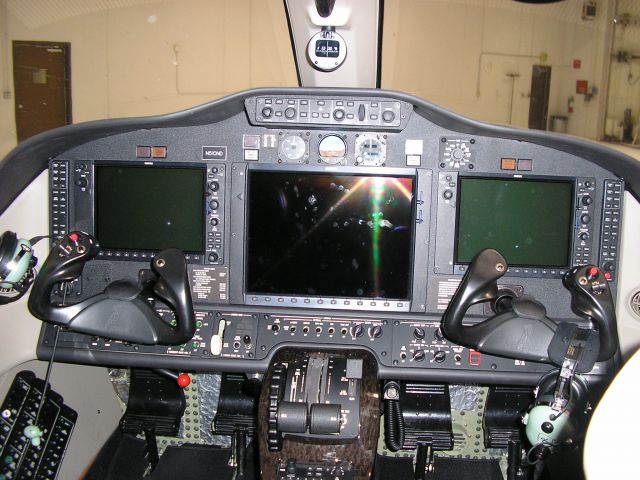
332	219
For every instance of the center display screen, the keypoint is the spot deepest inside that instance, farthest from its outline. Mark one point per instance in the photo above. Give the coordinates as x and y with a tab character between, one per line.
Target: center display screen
149	208
329	235
528	221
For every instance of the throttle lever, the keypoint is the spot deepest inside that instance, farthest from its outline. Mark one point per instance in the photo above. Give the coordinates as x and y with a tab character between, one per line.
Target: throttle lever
591	299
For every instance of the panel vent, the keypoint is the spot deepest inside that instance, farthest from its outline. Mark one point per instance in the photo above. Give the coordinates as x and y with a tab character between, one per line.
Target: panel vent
635	303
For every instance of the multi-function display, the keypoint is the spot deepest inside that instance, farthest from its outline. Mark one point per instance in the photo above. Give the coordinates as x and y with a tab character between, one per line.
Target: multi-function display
528	221
149	208
329	235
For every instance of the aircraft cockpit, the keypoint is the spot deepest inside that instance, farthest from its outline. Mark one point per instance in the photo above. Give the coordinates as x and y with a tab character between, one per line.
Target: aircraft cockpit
328	280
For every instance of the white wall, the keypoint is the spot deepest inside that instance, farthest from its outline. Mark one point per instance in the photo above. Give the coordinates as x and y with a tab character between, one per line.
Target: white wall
123	60
438	44
624	92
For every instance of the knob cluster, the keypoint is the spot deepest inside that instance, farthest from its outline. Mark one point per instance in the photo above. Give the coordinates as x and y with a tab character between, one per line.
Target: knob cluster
374	331
418	354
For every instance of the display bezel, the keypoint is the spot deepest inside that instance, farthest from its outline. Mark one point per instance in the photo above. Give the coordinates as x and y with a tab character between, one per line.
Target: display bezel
132	253
358	303
537	179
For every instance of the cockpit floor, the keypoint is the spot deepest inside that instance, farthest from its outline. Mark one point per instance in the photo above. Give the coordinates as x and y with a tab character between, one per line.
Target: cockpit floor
123	458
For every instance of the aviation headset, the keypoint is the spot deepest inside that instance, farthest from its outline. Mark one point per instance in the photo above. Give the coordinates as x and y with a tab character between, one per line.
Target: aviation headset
546	426
17	266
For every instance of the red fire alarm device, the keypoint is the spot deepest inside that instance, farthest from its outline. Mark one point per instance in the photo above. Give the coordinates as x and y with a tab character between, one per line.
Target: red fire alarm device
577	63
581	87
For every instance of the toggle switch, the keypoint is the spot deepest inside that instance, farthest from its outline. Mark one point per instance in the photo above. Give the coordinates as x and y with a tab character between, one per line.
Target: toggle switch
217	338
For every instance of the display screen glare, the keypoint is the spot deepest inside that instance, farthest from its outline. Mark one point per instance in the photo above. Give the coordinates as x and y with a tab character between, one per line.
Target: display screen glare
329	235
528	221
149	208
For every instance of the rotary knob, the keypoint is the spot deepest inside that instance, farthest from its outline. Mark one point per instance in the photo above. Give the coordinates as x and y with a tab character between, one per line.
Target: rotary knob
338	114
267	112
362	113
438	335
418	355
291	467
457	154
418	333
290	113
375	331
439	356
357	330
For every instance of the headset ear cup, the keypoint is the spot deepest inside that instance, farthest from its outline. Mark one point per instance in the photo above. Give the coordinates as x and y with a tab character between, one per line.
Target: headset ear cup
8	245
16	267
544	425
19	264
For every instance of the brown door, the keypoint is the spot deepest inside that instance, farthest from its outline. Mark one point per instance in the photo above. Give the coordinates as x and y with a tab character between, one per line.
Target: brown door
539	101
42	85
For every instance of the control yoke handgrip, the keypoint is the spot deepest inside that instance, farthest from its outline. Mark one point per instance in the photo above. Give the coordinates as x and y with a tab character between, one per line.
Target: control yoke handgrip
591	299
523	331
122	311
477	285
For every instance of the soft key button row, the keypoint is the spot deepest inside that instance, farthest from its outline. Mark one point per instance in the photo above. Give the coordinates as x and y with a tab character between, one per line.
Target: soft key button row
611	221
59	177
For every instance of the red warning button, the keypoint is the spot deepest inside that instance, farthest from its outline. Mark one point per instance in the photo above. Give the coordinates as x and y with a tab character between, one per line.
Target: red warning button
183	380
475	358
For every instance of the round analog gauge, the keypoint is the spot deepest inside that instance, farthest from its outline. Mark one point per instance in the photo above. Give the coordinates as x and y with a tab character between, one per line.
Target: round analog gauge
370	150
327	50
332	149
292	147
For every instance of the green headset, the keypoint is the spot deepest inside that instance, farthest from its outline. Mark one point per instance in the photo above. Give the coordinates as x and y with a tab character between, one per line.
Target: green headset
548	427
17	264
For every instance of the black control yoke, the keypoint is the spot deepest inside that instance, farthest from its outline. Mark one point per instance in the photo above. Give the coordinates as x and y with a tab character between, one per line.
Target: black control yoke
523	330
123	311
